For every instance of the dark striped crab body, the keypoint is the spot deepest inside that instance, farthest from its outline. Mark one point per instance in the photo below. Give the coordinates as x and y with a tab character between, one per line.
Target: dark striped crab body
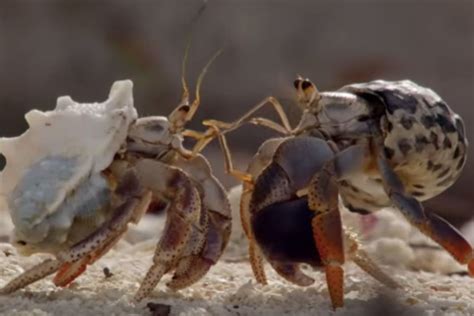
424	140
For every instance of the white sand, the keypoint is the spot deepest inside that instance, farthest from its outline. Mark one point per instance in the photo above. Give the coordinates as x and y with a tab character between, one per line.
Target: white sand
230	289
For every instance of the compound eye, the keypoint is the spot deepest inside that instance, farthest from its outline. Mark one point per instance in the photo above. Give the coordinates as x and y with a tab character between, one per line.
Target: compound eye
184	108
306	84
297	83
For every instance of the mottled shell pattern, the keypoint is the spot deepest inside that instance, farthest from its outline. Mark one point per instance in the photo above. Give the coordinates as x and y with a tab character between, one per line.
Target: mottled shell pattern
424	140
52	179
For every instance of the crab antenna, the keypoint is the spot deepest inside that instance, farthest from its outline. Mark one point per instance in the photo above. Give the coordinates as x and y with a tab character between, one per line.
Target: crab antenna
197	100
185	97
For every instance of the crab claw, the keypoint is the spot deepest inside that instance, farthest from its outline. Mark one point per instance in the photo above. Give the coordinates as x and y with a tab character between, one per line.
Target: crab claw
197	227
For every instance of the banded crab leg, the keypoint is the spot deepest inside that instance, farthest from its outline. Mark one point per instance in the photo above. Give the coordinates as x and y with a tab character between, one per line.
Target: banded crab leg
432	225
72	262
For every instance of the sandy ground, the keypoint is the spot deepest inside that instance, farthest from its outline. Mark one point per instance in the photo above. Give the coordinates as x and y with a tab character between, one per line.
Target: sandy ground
229	288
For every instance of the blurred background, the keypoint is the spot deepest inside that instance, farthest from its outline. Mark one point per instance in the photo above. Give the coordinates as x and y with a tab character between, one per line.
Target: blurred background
78	48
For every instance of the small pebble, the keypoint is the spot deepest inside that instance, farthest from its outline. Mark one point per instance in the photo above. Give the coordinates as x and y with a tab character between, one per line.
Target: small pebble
107	273
158	309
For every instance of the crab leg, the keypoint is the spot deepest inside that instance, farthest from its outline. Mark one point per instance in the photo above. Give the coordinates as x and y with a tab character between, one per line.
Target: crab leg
192	268
327	229
430	224
291	167
256	257
255	254
31	275
323	195
72	262
97	245
71	270
100	242
184	213
285	128
215	223
363	260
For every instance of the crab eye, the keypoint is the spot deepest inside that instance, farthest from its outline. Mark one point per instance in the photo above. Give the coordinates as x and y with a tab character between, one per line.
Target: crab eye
306	84
297	83
184	108
21	242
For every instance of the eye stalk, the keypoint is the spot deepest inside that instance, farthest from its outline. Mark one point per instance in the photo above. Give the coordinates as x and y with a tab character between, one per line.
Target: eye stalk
307	94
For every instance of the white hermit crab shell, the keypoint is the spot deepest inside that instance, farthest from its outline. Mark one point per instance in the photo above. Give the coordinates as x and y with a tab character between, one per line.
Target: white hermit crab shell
59	150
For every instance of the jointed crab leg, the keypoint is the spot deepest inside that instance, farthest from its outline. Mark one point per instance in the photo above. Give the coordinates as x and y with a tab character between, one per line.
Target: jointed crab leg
184	210
300	158
214	226
32	275
71	270
430	224
327	230
362	259
72	262
256	257
247	117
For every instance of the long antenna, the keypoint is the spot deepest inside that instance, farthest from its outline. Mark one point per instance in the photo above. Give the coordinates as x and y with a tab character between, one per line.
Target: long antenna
185	96
197	100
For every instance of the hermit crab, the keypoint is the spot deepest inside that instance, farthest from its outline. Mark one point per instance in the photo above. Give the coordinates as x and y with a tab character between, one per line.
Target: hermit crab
371	145
82	172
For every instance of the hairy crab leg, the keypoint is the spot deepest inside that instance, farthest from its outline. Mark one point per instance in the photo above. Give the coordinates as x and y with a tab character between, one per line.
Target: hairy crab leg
435	227
184	211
